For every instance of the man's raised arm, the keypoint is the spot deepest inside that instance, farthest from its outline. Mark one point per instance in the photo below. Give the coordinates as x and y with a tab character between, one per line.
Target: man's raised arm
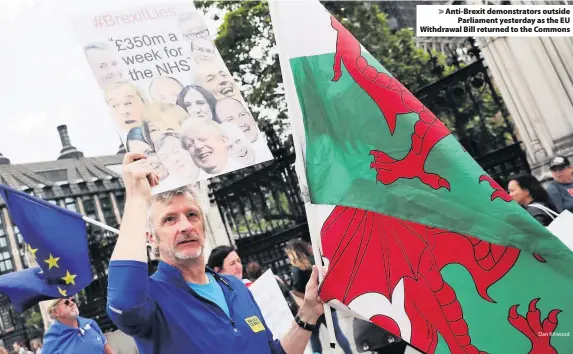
127	300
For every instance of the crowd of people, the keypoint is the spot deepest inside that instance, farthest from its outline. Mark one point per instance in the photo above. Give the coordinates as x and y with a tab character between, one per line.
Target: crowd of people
20	348
161	312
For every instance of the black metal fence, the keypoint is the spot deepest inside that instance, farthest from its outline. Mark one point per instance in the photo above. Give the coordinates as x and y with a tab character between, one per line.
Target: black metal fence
262	207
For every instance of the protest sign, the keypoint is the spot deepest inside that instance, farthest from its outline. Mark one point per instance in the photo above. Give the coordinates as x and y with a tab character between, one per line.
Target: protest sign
169	92
273	305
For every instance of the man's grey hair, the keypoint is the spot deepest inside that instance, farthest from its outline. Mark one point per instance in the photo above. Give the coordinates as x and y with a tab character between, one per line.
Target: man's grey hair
166	198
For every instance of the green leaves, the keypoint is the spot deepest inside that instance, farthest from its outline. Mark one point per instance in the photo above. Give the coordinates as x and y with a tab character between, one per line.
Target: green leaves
247	45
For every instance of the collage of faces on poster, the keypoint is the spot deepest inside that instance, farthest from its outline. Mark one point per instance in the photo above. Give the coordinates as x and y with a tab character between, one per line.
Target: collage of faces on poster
192	130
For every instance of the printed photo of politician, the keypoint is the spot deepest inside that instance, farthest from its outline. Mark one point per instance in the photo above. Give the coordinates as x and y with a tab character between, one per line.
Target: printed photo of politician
193	125
106	65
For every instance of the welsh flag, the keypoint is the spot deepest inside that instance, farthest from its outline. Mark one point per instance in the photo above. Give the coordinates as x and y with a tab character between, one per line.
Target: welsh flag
417	237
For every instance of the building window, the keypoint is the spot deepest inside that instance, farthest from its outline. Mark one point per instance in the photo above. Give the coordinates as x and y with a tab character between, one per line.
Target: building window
89	207
47	192
6	322
71	204
6	263
83	187
66	190
107	209
21	247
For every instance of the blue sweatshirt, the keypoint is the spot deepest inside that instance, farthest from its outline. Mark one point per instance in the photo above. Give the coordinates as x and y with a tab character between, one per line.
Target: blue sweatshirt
63	339
562	195
165	316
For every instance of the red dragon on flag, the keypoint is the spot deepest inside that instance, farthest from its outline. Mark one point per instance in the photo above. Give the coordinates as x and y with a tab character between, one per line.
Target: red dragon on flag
405	259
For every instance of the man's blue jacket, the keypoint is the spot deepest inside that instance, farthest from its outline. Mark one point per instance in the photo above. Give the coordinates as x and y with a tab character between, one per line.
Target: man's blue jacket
165	316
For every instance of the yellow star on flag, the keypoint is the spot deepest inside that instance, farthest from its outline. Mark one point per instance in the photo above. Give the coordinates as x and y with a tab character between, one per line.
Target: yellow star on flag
63	292
32	251
69	278
52	262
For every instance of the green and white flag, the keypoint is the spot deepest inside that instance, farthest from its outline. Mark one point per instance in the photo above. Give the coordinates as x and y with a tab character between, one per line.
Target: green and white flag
418	238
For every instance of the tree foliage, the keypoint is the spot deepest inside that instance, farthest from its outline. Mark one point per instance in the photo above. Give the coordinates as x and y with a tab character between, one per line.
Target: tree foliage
247	45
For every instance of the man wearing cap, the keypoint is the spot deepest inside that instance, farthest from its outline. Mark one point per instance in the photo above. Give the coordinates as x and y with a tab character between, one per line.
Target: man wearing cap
185	307
70	333
561	189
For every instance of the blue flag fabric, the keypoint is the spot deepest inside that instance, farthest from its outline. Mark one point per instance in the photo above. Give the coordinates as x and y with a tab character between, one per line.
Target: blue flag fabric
57	239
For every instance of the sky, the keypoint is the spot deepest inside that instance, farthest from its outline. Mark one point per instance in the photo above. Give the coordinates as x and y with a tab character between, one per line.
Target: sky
46	80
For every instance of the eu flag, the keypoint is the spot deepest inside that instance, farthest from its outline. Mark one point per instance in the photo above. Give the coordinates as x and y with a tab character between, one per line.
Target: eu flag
57	239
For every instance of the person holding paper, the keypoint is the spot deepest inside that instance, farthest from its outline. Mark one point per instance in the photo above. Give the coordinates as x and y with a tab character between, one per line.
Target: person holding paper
185	307
255	271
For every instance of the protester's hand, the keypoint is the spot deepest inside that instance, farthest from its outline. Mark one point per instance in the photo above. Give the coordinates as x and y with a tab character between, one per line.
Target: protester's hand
312	307
138	175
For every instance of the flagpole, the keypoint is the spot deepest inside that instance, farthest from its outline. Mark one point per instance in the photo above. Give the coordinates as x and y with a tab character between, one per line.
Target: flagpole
327	312
300	168
102	225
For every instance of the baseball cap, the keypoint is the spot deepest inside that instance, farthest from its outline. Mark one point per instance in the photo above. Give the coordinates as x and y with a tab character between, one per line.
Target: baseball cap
52	305
558	163
55	303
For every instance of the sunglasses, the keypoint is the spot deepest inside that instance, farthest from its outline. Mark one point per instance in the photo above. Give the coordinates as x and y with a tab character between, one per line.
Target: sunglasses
67	302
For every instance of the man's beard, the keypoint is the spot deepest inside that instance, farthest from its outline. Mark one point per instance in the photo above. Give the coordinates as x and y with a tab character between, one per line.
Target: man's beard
169	250
184	256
